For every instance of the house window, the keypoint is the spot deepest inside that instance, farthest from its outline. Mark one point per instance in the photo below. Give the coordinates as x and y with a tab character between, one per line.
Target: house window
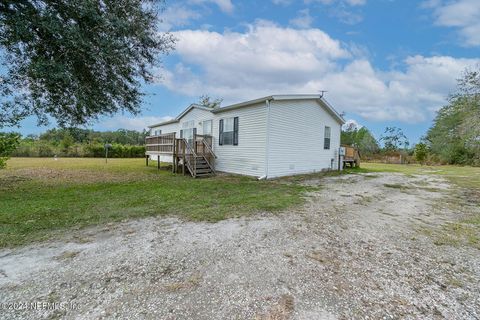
188	131
228	131
156	132
207	127
326	142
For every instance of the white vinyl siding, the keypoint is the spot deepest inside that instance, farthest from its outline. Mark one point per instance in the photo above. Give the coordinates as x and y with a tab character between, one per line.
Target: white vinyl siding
296	141
297	133
248	157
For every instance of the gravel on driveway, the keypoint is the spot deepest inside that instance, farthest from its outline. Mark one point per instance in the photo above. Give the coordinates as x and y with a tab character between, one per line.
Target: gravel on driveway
359	249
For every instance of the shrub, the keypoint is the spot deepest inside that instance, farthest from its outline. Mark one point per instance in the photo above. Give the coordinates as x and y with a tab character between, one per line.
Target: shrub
421	153
8	143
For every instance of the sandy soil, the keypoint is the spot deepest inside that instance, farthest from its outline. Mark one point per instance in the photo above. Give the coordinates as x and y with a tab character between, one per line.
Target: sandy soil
357	249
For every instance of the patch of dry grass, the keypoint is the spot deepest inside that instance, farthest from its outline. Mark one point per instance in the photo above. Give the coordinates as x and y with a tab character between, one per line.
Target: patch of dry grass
281	310
191	282
456	234
68	255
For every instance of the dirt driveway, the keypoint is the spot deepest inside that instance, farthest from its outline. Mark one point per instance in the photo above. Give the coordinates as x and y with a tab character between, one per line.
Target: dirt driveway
362	247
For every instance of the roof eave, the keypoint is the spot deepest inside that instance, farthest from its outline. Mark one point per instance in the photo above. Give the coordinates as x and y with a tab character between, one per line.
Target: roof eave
163	123
333	111
242	104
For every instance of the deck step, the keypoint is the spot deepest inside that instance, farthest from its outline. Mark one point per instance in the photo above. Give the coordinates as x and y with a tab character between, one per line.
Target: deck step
206	170
204	175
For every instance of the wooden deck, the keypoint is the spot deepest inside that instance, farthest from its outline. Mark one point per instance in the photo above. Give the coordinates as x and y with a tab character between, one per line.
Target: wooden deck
195	157
352	157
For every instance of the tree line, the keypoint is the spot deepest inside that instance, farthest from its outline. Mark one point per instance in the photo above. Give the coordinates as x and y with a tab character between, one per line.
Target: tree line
393	139
454	137
77	142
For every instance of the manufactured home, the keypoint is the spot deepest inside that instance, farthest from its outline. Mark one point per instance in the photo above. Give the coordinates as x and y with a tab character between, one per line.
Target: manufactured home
270	137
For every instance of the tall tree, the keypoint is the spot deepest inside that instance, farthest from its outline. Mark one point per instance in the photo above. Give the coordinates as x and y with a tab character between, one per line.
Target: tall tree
208	102
361	138
455	133
394	139
76	60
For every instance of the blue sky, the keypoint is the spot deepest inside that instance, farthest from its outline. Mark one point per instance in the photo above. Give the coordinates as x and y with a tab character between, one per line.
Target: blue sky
383	62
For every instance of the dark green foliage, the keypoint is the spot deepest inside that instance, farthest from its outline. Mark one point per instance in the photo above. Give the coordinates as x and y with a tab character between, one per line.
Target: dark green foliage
455	134
75	142
8	143
116	151
120	136
77	60
360	138
421	152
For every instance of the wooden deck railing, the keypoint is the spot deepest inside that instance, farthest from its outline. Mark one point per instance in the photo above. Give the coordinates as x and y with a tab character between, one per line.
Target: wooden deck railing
203	146
164	143
189	154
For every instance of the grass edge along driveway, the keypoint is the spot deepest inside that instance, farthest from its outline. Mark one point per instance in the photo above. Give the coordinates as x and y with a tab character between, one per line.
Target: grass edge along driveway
43	197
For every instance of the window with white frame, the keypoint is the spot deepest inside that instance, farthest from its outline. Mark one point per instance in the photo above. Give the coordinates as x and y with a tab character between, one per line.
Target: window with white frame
188	131
326	140
228	131
207	127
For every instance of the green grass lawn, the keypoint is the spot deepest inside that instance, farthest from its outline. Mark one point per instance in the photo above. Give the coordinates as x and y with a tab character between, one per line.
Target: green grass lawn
40	196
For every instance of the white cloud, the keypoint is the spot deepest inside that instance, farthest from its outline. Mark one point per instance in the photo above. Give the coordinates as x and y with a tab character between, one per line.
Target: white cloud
351	123
282	2
132	123
356	2
268	59
342	9
177	16
352	3
345	15
346	2
461	14
224	5
303	20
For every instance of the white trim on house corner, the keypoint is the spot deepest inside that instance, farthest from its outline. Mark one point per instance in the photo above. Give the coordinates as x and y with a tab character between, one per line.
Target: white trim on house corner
267	142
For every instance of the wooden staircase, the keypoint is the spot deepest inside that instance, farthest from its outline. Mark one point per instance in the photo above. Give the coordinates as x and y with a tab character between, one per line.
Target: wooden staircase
202	168
195	156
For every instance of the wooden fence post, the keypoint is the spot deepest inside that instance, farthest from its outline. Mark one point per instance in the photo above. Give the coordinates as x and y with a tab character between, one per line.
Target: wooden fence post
173	152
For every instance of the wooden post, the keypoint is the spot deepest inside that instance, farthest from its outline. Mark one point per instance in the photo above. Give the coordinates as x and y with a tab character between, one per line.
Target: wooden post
158	162
184	159
146	159
173	152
